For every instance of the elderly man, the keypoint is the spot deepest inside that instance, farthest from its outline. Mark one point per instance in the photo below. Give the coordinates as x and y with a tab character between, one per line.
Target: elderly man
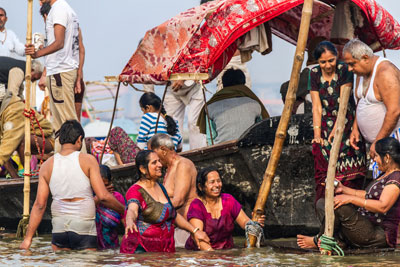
61	61
10	46
12	114
70	177
377	94
180	180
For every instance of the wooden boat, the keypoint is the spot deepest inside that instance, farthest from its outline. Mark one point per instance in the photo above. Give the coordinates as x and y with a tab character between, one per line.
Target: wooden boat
11	204
242	162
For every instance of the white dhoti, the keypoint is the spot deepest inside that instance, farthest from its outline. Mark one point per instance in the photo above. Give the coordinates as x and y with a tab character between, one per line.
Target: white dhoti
175	104
180	237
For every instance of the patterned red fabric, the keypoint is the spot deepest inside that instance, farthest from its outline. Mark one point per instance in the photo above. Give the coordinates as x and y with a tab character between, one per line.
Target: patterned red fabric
203	39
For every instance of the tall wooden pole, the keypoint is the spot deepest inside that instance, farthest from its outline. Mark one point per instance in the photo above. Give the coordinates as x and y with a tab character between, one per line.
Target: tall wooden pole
334	153
280	135
27	164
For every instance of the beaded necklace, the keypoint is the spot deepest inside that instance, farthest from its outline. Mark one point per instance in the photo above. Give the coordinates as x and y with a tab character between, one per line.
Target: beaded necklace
5	37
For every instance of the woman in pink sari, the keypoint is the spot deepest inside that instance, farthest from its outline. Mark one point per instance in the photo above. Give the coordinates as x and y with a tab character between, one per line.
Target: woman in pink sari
150	217
216	213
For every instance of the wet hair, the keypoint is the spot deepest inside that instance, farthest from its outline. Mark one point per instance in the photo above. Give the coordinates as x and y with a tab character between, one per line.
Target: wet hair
233	77
357	49
161	139
201	179
105	172
388	146
45	9
151	99
205	1
70	132
324	46
5	13
142	159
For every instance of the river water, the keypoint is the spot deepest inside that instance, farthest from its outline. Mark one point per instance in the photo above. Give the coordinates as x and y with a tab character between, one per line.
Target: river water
42	255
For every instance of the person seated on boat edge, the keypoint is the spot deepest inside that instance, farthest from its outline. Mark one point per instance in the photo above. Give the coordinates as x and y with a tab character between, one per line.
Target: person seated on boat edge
303	99
123	147
215	212
368	218
12	114
150	105
71	177
107	220
151	216
232	110
179	180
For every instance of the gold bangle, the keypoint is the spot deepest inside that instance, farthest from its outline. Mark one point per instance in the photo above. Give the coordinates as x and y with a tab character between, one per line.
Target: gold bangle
317	127
195	230
365	203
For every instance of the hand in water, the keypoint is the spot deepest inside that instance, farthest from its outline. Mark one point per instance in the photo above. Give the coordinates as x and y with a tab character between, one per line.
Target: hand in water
26	244
130	227
201	236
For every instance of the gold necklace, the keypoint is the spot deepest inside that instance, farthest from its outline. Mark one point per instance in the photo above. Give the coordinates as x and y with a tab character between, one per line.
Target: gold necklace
5	37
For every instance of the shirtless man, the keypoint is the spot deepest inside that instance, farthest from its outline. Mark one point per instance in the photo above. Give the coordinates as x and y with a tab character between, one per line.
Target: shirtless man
377	93
70	183
180	179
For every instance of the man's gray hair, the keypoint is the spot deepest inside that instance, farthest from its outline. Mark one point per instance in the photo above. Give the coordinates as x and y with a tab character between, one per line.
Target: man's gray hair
358	49
161	139
37	66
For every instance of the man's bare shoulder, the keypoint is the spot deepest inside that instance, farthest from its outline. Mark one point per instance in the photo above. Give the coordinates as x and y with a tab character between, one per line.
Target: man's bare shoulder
87	158
47	168
387	68
185	163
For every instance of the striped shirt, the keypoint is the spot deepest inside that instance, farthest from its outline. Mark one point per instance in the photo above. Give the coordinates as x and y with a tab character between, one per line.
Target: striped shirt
148	126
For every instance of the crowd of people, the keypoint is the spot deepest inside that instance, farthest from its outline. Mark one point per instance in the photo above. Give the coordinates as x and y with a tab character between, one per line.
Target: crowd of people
188	209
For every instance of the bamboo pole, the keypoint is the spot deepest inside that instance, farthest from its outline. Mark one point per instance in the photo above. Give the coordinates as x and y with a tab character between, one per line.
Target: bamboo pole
111	123
27	165
162	104
206	109
334	153
287	111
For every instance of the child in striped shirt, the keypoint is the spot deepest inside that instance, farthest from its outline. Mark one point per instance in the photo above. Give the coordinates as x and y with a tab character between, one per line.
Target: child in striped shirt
150	104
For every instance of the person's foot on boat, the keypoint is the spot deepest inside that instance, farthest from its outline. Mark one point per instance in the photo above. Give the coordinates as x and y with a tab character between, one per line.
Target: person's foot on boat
304	241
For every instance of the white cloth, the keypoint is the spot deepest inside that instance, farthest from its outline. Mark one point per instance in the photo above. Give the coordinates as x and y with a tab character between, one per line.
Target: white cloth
370	112
175	103
12	47
68	181
67	58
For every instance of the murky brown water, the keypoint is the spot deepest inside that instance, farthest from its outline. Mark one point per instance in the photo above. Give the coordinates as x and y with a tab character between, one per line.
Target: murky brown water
42	255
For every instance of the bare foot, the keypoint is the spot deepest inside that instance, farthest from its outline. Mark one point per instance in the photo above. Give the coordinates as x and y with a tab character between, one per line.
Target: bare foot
304	241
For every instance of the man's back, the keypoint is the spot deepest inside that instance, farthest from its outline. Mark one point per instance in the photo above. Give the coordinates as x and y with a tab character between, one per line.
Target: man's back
69	181
233	116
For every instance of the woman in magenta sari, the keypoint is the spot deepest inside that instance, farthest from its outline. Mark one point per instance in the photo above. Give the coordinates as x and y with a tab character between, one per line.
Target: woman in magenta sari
216	213
150	216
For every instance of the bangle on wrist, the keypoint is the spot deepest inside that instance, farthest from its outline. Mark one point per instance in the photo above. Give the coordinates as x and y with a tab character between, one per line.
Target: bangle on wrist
317	127
365	203
209	249
195	230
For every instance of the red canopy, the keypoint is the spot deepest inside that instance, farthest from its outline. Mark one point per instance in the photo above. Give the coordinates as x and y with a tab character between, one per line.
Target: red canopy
203	39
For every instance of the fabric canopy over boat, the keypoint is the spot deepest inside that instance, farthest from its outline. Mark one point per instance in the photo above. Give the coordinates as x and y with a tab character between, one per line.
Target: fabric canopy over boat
203	39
